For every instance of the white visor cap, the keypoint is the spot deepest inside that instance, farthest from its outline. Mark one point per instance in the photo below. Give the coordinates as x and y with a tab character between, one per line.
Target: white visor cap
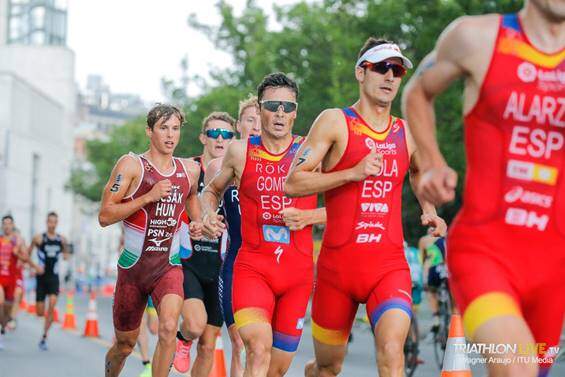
383	52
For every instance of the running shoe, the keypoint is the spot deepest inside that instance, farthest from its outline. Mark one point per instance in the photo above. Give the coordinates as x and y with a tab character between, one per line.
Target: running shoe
11	324
43	344
182	356
146	371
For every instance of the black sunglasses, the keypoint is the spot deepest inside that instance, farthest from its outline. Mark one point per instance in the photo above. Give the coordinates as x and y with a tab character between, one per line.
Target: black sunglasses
383	67
216	132
273	106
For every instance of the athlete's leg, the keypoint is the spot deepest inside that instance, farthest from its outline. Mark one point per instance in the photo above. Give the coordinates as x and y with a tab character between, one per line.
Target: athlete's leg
225	293
143	339
288	322
169	311
194	319
120	350
152	318
52	302
253	305
207	341
389	308
491	308
205	352
333	313
40	295
237	347
544	311
2	305
18	294
168	298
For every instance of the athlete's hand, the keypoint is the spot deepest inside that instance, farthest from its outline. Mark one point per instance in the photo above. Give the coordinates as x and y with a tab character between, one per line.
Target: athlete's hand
296	219
195	230
437	185
160	190
213	225
370	165
437	223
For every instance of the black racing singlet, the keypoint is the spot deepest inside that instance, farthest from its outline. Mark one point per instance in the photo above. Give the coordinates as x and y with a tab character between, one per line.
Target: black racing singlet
206	257
49	252
233	220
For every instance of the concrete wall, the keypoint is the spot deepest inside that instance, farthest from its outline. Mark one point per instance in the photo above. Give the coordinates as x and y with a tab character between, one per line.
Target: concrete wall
33	124
3	22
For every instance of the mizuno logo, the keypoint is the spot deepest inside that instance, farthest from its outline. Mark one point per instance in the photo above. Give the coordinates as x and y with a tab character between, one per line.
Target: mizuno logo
158	242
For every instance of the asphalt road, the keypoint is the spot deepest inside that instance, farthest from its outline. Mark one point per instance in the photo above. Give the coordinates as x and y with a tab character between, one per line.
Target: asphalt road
70	354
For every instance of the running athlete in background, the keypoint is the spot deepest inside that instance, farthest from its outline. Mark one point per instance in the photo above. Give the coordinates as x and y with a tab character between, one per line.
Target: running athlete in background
365	153
149	193
432	256
201	312
11	251
273	271
50	246
248	124
506	259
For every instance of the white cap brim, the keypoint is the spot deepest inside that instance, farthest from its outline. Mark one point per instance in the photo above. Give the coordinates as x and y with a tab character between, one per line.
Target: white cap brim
384	52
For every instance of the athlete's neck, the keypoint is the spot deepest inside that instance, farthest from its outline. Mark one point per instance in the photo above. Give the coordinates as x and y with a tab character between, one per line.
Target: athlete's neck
276	145
51	233
206	158
376	116
545	33
163	162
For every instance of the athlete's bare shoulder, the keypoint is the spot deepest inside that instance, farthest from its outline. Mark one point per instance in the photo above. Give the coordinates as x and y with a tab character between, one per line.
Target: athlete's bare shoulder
468	36
128	164
328	124
192	167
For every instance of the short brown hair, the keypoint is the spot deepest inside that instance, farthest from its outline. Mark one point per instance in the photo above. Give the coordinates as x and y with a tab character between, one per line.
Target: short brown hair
163	111
52	213
218	115
372	42
250	101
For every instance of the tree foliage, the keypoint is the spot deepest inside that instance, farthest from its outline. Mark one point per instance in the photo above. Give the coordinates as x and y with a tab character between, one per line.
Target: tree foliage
317	44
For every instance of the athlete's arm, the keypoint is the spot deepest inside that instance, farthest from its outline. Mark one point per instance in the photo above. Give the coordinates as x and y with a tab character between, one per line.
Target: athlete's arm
435	74
298	219
304	179
211	195
35	241
112	209
192	204
429	215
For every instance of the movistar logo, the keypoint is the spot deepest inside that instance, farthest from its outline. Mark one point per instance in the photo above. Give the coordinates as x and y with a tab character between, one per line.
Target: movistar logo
274	233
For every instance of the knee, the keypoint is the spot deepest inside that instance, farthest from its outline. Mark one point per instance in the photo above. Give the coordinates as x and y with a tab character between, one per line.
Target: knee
237	346
330	370
391	352
259	352
124	347
193	327
206	350
167	329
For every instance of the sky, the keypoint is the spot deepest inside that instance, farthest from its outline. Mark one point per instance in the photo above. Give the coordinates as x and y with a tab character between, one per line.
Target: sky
132	44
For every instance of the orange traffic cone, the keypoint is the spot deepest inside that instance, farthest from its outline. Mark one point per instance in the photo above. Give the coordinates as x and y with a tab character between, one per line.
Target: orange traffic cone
219	367
91	327
23	303
455	363
69	322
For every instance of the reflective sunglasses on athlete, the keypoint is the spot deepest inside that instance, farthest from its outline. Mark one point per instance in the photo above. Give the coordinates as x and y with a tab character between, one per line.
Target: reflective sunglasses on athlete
215	133
273	106
383	67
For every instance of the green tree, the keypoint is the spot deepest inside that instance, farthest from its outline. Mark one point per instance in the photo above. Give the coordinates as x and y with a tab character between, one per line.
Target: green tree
317	44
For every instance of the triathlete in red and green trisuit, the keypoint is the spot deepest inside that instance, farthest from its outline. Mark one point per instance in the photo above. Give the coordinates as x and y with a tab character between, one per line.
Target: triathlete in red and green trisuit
150	262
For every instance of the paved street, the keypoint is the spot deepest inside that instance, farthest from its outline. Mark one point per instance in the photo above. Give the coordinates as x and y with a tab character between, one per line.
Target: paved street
72	355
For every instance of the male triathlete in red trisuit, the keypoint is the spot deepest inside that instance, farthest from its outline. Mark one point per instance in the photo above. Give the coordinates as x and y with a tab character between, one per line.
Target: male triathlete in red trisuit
273	270
365	153
149	193
506	249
